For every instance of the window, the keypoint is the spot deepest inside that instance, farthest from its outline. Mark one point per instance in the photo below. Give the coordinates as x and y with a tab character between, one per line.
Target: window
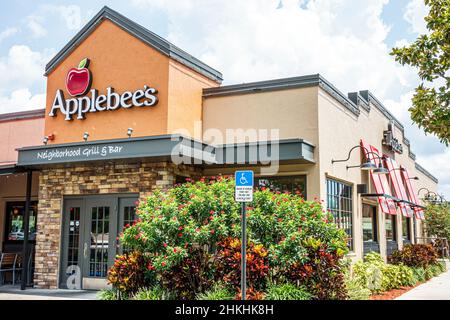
14	221
369	221
340	204
292	184
406	228
391	228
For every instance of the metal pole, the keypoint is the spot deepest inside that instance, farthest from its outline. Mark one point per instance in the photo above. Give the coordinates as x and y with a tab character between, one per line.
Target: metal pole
244	254
26	227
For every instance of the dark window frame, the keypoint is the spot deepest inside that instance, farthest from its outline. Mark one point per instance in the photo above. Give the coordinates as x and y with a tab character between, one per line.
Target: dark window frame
408	229
393	219
374	223
8	205
292	176
343	195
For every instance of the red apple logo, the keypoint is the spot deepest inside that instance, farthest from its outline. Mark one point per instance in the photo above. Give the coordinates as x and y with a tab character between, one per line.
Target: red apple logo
79	79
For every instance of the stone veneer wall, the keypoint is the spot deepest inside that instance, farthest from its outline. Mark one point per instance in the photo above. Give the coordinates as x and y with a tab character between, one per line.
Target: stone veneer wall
88	179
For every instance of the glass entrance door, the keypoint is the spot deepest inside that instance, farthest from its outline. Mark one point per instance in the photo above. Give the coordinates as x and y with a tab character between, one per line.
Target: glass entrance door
90	228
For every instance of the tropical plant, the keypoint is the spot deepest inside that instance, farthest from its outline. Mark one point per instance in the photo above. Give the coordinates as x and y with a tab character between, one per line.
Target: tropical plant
155	293
218	292
181	233
287	291
430	55
108	294
415	255
127	275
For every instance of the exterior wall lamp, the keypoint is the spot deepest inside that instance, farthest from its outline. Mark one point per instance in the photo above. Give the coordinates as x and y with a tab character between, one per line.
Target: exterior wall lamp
85	136
368	165
45	140
129	132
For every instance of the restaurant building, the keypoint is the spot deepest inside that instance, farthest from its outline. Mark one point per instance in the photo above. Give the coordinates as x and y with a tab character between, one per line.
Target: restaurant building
128	112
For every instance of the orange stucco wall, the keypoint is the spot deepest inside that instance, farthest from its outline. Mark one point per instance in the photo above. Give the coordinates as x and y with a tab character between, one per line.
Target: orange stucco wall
19	133
123	62
120	60
185	100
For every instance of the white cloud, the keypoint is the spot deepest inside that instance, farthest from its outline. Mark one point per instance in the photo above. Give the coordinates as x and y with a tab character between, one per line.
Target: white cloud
71	14
343	40
34	23
440	169
22	68
415	12
21	100
8	32
252	40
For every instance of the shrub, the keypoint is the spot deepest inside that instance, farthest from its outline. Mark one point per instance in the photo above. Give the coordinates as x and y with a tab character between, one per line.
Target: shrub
378	276
228	261
415	255
191	276
127	275
287	291
419	274
110	294
218	292
321	273
180	232
356	290
155	293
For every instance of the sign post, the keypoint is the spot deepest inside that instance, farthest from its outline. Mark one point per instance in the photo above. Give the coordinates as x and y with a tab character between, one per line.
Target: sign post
243	194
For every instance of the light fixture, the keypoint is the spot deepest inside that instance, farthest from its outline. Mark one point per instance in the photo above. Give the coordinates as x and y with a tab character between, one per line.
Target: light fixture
129	132
45	140
380	170
368	165
85	136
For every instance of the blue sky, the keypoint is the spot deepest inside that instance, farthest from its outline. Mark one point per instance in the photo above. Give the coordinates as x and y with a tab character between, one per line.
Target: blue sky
347	41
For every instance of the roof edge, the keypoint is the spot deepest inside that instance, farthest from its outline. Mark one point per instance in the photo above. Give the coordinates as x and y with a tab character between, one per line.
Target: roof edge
22	115
426	172
138	31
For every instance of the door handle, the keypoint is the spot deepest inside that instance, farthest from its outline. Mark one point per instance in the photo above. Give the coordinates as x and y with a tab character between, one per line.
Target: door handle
85	250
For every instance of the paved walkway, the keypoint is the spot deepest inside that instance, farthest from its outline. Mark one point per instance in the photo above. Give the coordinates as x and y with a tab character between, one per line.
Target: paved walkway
14	293
437	288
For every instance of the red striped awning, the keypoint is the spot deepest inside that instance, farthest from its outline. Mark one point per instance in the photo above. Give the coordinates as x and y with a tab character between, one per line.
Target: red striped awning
412	194
398	186
380	182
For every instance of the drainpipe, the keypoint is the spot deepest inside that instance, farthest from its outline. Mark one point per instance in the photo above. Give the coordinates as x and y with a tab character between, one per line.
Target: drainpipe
26	228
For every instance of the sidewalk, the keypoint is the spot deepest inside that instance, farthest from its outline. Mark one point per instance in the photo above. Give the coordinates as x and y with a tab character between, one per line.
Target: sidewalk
14	293
437	288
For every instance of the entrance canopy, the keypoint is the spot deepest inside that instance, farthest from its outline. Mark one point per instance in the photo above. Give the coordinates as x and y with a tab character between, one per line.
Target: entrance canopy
177	148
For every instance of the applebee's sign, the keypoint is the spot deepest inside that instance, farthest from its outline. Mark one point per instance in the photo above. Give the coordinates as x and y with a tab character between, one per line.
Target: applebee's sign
78	83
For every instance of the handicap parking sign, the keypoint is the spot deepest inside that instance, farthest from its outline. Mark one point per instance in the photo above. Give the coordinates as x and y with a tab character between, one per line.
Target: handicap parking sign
243	186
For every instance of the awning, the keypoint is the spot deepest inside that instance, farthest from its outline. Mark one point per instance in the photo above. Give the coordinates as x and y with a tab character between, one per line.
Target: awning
9	169
380	181
418	210
169	147
398	186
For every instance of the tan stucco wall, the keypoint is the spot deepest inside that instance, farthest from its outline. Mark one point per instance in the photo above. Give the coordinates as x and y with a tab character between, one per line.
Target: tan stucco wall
312	114
293	112
346	132
123	62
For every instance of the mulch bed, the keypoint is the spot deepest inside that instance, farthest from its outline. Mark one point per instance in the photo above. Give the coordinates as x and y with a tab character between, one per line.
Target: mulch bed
391	295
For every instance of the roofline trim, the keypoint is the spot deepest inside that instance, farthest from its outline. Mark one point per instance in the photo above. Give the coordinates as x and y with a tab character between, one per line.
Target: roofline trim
22	115
138	31
283	84
426	173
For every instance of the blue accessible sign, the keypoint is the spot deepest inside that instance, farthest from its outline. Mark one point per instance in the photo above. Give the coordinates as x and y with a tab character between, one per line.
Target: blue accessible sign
243	186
